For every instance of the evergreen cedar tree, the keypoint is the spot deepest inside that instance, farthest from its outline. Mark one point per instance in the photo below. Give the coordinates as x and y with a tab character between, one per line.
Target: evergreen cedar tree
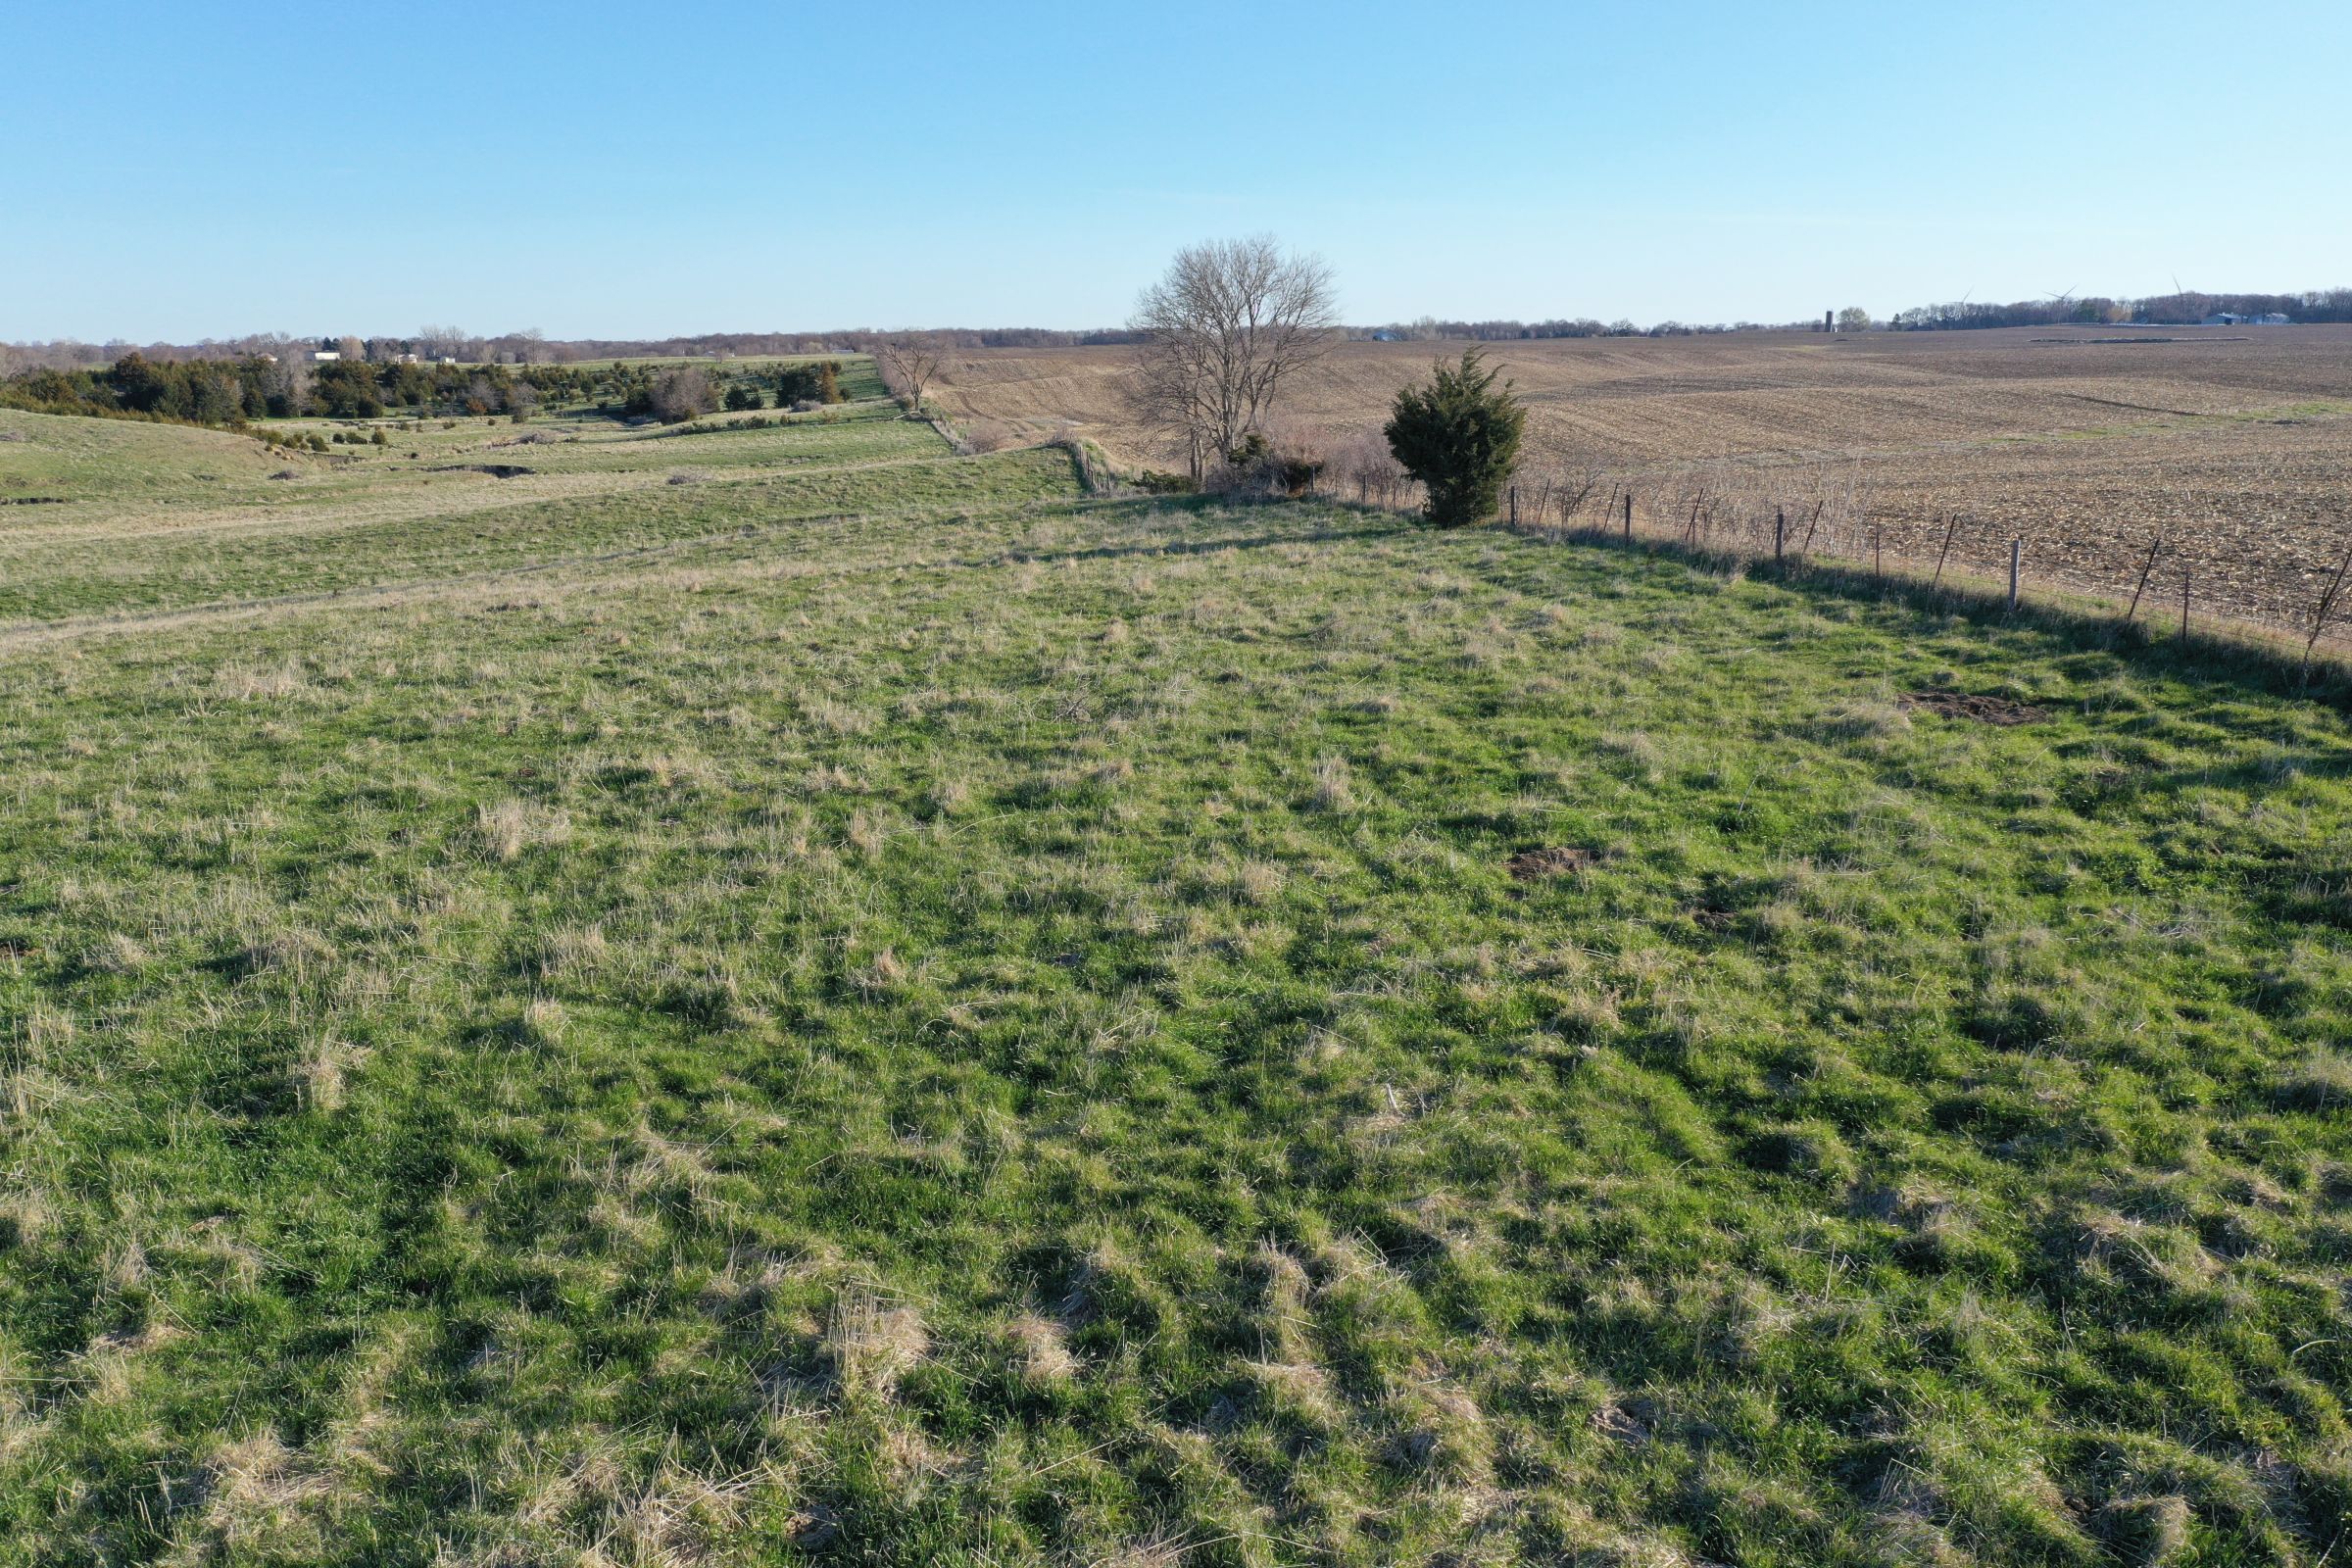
231	392
809	383
1459	436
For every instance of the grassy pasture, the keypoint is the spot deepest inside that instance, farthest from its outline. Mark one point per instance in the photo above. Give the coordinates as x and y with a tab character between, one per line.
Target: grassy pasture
210	516
921	1017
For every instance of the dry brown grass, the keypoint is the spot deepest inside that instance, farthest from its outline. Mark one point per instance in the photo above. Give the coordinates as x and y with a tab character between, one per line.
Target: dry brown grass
1636	402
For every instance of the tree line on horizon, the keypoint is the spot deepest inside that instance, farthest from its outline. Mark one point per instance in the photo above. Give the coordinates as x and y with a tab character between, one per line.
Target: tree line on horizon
433	344
531	346
2186	308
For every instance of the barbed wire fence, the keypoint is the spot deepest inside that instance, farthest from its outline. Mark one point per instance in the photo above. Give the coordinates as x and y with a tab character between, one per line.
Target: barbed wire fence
2280	581
2291	586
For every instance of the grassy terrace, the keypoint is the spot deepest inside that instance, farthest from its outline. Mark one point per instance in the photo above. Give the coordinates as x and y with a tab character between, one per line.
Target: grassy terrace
929	1018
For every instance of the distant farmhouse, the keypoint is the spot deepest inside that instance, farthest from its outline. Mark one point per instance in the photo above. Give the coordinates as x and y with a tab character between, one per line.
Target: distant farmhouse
2231	319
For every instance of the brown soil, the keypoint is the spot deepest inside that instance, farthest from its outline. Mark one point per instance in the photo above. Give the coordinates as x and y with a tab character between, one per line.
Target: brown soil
1984	709
1530	866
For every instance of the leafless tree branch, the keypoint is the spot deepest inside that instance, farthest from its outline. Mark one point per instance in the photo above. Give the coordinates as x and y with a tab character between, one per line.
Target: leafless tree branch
1227	329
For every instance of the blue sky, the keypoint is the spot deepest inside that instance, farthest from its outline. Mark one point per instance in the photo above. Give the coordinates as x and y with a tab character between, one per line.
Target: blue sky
175	171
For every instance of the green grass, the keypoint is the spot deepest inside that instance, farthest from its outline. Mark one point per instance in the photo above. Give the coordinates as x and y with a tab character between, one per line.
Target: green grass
329	550
152	518
90	462
999	1028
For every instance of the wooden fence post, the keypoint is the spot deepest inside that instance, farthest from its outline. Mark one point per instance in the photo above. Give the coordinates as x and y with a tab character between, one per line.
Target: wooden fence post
2016	548
1629	514
2184	601
2154	545
1780	532
2321	610
1514	506
1950	529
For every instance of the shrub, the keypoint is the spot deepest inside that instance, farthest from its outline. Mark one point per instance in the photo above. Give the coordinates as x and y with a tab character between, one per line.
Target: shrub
1364	464
680	395
987	435
1459	436
809	383
740	398
1285	465
1154	483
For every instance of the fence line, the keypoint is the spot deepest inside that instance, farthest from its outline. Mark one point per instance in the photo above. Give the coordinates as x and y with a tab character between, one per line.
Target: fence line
1829	523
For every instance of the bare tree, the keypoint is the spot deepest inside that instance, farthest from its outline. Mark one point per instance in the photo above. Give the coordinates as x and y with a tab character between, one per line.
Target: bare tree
909	366
444	342
682	394
1230	325
289	384
1362	463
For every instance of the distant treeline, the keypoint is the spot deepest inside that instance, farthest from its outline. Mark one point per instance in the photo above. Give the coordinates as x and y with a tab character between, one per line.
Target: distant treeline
2184	309
860	340
2165	310
432	345
1428	329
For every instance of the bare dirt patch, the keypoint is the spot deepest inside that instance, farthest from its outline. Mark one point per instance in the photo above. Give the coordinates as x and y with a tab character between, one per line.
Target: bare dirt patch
1558	860
1984	709
496	470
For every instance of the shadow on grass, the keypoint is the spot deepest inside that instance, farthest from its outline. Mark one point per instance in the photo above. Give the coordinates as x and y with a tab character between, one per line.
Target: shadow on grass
1136	507
2239	654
